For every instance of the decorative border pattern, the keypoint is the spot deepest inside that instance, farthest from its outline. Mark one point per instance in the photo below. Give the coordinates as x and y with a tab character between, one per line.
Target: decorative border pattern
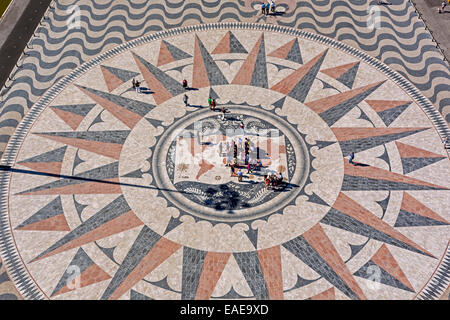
434	288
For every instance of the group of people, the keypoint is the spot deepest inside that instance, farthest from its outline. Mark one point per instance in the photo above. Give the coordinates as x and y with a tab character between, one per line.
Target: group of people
136	85
273	180
240	152
266	7
251	165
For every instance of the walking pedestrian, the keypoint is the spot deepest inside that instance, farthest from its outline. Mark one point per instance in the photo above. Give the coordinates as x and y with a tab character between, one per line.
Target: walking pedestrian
209	102
213	104
185	99
223	112
263	8
136	85
240	174
267	8
446	143
185	84
352	156
241	125
228	160
272	6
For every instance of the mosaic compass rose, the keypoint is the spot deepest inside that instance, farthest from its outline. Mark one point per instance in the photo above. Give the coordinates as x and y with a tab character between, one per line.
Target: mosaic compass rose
132	189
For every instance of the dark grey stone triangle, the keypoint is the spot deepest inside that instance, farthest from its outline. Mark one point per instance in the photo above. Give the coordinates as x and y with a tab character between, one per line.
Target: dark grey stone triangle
413	164
109	252
250	266
279	104
340	220
358	145
81	261
326	85
385	157
232	294
108	171
363	115
229	61
355	249
192	269
348	78
79	207
173	86
332	115
123	75
324	144
113	210
355	183
389	115
176	53
383	204
79	109
235	45
301	282
154	122
252	235
180	68
133	174
281	67
294	54
54	208
117	137
77	161
213	94
301	89
134	295
371	270
98	119
163	284
51	156
314	198
259	76
213	72
173	223
3	278
410	219
144	242
300	248
138	107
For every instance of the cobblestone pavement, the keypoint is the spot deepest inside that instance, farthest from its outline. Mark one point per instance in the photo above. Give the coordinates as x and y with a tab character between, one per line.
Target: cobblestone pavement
130	190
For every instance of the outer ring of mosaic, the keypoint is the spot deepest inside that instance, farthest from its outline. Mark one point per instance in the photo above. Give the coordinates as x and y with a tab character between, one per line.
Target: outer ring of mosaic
432	290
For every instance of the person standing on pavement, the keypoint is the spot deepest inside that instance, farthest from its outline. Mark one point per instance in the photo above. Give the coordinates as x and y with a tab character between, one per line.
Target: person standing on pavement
352	156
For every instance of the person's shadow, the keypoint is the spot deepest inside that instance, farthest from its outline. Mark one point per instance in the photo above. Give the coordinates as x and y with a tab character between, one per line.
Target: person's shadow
358	164
277	13
145	90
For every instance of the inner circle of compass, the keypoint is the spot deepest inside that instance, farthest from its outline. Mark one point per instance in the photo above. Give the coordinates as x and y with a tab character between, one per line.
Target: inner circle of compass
191	158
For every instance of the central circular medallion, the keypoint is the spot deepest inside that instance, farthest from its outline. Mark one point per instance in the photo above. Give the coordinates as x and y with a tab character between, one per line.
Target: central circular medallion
197	163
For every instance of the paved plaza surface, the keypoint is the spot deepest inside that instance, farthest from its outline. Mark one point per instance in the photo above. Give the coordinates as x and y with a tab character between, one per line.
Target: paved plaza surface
131	190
